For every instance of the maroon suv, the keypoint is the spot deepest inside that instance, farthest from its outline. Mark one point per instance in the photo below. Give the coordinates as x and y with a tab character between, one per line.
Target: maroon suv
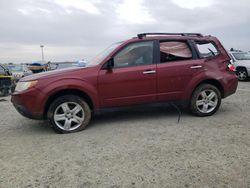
152	67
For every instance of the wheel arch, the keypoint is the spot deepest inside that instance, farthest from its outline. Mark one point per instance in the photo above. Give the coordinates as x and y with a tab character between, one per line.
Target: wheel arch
213	82
63	92
241	67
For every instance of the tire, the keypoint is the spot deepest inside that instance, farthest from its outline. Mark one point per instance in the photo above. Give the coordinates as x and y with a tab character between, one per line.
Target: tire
242	74
205	101
68	114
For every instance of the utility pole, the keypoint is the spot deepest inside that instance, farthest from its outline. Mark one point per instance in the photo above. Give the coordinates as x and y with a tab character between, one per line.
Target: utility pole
42	46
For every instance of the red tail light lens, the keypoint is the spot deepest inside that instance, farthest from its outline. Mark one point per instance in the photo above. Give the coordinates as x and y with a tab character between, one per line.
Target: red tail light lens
231	67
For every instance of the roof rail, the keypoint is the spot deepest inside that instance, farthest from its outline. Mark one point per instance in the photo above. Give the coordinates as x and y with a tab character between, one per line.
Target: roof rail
141	35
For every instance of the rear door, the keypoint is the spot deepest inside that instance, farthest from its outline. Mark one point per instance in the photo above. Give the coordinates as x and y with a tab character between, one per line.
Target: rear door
177	65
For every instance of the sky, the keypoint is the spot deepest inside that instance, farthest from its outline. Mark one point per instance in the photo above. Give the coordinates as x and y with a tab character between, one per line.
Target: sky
71	30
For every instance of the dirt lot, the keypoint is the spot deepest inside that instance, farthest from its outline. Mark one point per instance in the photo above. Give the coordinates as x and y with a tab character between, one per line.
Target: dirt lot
131	148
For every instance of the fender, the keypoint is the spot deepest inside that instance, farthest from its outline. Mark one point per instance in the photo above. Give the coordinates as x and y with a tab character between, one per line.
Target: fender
197	80
58	85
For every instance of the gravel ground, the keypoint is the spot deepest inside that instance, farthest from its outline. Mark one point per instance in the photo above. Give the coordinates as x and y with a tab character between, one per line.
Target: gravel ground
131	148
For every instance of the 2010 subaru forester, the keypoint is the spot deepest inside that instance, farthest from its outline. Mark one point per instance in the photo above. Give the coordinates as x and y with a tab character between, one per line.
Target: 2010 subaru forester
149	68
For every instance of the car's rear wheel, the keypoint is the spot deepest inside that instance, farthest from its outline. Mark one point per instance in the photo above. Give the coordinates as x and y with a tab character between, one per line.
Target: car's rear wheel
242	74
206	100
69	114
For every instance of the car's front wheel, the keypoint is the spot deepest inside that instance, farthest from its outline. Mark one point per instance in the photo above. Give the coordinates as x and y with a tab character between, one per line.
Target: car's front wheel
69	114
206	100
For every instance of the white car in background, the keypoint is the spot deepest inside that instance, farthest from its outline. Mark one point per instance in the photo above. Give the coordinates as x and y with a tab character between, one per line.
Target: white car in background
241	61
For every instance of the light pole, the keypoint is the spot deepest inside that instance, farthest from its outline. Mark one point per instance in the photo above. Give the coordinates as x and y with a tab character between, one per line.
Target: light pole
42	53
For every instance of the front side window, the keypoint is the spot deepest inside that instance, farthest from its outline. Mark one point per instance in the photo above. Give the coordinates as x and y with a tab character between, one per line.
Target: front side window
174	51
207	49
135	54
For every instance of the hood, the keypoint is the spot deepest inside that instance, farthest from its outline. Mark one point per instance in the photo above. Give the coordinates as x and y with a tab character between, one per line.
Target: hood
50	74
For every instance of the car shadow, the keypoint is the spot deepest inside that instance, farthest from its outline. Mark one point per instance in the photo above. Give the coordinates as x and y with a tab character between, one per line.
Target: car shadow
117	116
35	126
145	112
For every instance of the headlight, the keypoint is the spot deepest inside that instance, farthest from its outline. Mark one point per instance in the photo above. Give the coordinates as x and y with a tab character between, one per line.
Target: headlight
21	86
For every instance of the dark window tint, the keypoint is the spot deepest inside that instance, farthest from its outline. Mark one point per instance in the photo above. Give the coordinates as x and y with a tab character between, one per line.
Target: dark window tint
174	51
135	54
207	49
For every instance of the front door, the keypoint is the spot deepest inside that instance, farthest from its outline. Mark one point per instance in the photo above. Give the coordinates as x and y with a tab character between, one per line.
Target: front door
132	80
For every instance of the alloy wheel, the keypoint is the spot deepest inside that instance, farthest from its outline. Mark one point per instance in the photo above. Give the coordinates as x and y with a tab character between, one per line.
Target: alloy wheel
206	101
69	116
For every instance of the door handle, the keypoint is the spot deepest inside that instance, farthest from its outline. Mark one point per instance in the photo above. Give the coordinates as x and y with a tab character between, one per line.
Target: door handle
149	72
196	67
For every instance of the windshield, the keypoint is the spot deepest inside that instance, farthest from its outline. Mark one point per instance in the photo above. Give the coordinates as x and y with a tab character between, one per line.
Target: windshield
16	68
100	57
242	56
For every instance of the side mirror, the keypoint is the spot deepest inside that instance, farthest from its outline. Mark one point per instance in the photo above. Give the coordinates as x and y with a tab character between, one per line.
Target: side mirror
110	64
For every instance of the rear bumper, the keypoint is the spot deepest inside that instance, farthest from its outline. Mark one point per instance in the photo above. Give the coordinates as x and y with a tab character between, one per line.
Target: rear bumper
29	103
230	84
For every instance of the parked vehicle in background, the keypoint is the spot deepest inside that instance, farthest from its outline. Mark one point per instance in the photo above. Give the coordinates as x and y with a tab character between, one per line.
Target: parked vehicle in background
6	81
37	67
149	68
18	71
4	71
241	61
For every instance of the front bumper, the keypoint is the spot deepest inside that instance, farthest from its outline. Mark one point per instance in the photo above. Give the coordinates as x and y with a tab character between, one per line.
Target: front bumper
26	113
29	103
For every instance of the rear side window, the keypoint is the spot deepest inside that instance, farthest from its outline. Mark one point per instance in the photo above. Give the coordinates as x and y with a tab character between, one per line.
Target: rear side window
174	51
207	49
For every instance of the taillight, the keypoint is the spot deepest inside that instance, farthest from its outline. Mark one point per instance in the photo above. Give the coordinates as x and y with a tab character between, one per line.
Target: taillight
231	67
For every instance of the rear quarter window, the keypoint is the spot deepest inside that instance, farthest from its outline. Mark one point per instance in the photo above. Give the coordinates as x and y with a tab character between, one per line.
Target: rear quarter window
207	49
